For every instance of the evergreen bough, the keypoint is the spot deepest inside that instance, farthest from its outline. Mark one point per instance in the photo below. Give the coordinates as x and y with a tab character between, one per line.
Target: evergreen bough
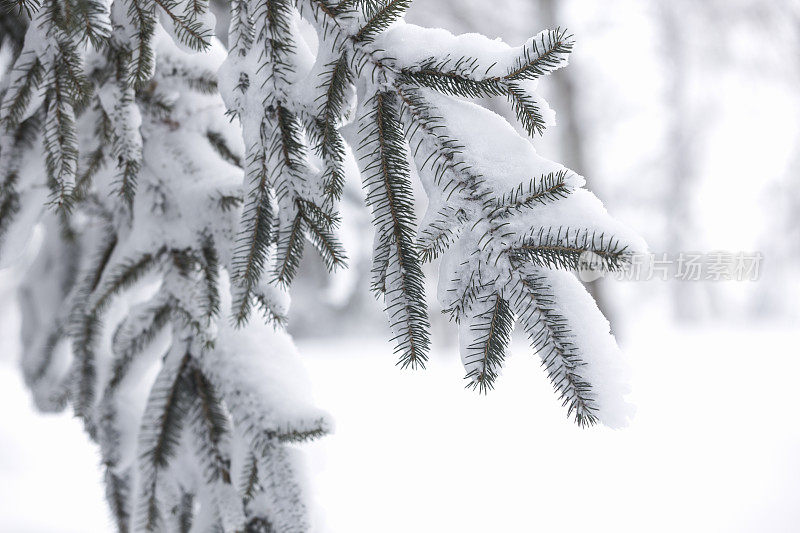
164	225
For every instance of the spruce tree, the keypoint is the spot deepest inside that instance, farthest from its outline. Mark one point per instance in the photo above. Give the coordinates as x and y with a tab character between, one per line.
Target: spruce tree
165	225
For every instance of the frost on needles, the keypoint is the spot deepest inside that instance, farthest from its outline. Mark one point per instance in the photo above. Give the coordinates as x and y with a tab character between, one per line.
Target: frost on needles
165	224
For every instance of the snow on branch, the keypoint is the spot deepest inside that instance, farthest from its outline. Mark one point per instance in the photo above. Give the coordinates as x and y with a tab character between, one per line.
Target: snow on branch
495	208
140	257
169	223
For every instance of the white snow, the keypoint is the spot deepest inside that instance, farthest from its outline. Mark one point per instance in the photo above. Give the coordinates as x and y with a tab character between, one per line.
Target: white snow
709	450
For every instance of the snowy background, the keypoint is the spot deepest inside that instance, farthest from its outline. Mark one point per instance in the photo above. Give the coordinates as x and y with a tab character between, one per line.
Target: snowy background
687	119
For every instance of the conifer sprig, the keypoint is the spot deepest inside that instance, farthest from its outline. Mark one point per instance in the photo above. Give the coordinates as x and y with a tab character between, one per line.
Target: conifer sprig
543	190
160	435
88	314
304	198
550	334
324	133
563	247
134	336
217	141
15	146
28	74
91	21
527	109
436	236
29	7
541	56
379	16
466	77
387	179
461	76
188	29
489	331
256	231
138	51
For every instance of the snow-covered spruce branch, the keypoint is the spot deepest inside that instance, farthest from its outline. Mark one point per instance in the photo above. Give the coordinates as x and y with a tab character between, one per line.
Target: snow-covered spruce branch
126	306
498	215
169	225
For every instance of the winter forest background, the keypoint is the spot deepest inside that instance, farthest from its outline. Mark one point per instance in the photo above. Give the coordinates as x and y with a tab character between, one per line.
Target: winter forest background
684	116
